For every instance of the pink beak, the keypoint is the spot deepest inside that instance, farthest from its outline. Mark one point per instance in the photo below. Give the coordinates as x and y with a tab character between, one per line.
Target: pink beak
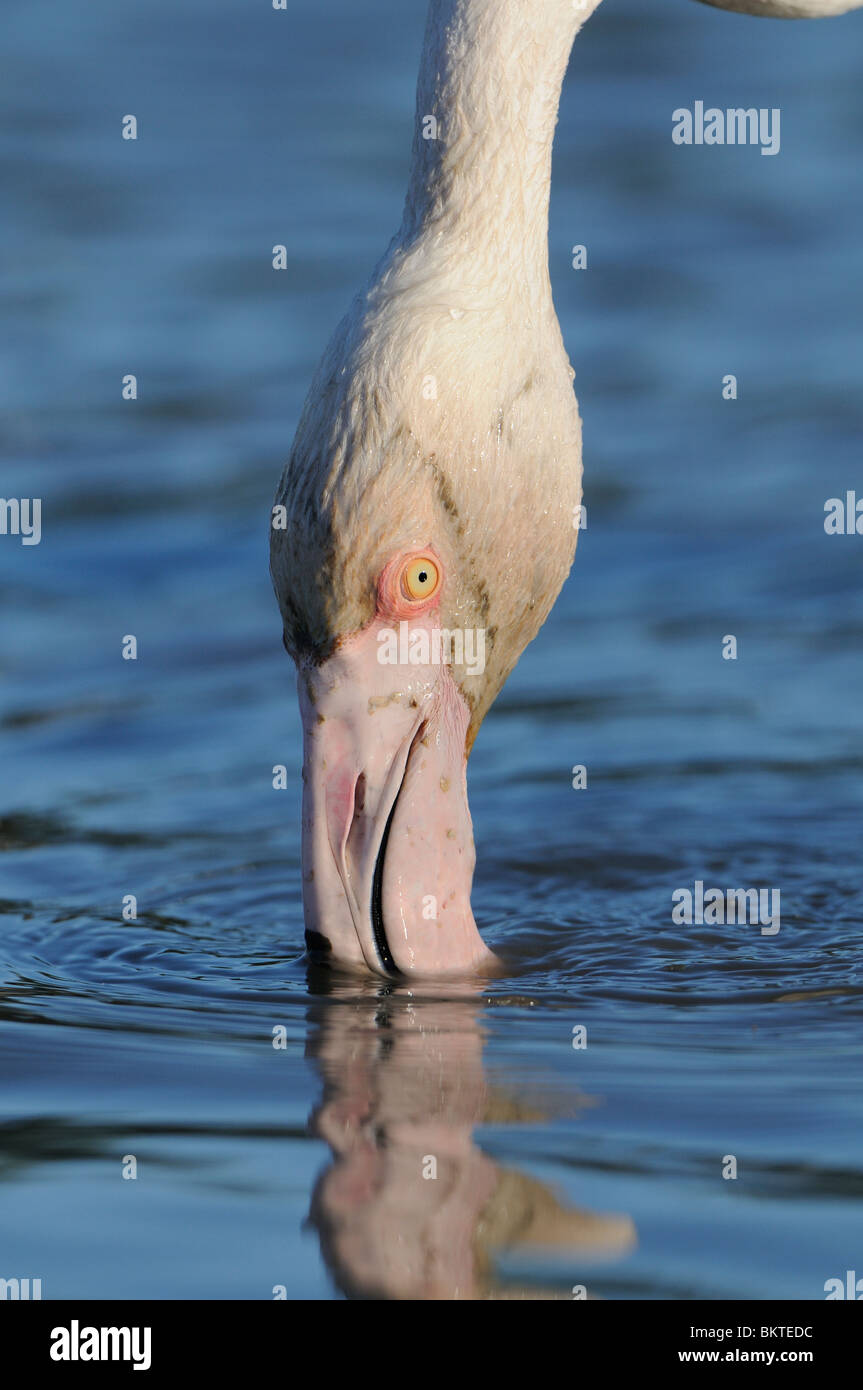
388	852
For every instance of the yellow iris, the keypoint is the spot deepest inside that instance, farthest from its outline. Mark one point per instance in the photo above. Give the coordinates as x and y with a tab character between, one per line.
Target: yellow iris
421	578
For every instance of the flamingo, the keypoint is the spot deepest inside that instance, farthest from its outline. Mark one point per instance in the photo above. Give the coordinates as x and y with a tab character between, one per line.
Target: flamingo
424	522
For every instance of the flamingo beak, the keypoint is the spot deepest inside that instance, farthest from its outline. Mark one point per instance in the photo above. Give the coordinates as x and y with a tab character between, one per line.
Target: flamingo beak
388	851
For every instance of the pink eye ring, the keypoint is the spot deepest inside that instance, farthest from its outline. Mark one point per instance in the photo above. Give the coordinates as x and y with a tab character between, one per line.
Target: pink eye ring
410	583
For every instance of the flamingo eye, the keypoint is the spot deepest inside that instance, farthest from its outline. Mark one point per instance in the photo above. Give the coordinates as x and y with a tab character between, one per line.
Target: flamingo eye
420	578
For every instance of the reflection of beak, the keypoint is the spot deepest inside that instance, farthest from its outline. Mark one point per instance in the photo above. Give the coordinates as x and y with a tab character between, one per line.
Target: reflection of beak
388	850
404	1086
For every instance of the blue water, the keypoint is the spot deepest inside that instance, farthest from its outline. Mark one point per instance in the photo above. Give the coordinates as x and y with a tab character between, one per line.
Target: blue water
153	1039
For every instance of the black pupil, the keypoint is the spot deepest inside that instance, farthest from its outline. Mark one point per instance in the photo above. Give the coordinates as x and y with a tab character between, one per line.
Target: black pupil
422	576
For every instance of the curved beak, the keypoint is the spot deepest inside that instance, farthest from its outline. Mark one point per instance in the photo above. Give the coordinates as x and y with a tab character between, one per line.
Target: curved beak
388	850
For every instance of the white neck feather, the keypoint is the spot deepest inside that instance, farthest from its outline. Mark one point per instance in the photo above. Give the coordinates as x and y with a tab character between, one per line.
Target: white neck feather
788	9
490	77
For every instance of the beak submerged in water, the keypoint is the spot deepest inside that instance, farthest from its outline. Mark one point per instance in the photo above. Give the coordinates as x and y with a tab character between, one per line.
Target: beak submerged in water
388	852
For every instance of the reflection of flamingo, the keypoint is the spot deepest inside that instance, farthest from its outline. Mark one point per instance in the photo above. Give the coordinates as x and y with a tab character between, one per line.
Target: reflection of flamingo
431	489
404	1085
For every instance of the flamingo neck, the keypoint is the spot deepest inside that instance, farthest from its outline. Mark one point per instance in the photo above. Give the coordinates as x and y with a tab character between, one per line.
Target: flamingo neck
487	100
